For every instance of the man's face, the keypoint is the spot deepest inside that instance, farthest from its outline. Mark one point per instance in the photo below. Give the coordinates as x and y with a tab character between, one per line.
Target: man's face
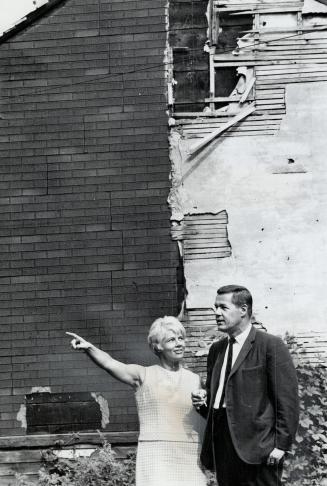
228	315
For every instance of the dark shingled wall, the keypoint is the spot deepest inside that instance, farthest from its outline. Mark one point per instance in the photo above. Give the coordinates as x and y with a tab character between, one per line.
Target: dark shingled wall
84	178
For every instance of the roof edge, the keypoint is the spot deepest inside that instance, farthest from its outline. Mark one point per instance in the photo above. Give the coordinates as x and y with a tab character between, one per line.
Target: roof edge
29	19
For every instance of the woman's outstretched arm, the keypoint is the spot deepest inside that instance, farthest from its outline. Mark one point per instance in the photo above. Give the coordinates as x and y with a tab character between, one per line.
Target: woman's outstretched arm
130	374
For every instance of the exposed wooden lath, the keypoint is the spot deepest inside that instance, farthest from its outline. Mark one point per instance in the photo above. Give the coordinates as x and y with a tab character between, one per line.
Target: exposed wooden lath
201	327
203	236
265	121
313	346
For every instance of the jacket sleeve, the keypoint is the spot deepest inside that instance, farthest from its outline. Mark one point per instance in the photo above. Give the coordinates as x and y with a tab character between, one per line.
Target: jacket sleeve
210	364
283	387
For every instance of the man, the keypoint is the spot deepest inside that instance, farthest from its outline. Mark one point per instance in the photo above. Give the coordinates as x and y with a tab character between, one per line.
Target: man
252	400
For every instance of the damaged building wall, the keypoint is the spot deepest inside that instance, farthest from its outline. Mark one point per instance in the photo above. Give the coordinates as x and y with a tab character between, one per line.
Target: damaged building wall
275	208
267	170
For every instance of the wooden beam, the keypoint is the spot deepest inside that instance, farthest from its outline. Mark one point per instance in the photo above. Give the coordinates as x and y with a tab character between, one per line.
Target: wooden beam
262	10
243	114
222	99
28	441
212	76
269	56
286	29
247	90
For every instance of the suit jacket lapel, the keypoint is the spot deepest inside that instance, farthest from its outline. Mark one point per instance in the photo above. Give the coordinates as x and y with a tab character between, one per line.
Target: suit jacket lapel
244	350
217	370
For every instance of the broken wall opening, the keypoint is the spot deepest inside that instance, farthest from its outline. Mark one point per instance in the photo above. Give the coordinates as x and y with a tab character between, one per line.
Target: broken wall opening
276	43
225	39
187	38
198	30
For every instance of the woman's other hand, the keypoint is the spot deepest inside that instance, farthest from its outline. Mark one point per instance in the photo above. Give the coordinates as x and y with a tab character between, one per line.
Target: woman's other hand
199	398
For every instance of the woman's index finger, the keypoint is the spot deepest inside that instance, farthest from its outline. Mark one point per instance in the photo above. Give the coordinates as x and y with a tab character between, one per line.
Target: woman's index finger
76	336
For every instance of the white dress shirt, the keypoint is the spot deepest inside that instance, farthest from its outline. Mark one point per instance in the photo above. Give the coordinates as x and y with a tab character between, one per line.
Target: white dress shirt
237	346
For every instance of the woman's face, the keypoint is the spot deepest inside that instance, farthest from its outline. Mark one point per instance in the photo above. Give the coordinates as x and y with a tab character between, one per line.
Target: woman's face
172	345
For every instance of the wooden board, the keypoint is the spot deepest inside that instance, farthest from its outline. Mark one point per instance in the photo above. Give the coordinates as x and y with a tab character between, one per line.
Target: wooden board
245	112
46	440
296	79
291	69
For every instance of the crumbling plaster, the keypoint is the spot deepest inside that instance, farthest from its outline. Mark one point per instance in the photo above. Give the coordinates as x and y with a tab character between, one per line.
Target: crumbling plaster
104	408
274	191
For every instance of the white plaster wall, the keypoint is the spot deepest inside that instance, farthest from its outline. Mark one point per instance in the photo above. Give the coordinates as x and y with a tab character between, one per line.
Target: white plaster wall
277	222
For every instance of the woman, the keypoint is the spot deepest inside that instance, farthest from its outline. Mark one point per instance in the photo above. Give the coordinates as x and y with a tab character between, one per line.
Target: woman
170	428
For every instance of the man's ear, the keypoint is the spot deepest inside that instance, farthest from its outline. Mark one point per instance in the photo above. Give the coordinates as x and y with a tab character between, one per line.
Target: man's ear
244	310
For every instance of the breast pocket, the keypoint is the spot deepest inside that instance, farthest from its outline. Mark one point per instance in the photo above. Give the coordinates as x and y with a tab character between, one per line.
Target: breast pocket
253	386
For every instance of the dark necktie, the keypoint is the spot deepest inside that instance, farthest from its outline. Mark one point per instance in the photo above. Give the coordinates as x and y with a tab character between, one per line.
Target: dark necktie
231	341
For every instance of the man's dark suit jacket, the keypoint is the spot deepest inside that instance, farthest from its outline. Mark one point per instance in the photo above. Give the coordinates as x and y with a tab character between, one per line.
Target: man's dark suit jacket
261	398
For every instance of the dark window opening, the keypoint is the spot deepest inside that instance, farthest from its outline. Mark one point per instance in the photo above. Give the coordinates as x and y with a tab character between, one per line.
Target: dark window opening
187	37
225	80
231	27
192	82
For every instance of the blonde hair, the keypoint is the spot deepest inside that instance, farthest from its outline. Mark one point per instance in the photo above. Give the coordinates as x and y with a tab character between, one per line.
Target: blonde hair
159	328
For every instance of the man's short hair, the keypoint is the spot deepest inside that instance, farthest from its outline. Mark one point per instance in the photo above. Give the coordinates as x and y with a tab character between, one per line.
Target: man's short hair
240	296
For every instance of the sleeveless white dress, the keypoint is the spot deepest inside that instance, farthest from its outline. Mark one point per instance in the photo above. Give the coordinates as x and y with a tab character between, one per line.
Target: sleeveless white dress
170	429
